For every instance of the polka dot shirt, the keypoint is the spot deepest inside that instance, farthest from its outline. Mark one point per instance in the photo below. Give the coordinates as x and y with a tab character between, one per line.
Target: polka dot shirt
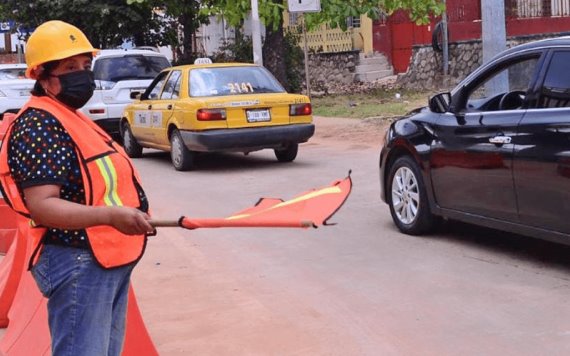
41	152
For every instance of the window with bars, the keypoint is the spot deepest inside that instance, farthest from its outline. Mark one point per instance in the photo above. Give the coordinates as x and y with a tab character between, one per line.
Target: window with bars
293	18
353	21
537	8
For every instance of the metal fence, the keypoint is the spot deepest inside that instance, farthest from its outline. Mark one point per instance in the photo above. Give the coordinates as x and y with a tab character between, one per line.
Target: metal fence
324	39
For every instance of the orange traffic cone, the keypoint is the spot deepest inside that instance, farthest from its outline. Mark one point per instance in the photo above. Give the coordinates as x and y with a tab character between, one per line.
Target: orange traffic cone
12	264
28	332
7	226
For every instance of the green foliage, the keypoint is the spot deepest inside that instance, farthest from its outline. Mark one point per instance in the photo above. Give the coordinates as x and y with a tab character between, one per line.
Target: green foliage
235	51
377	103
236	11
294	63
242	51
184	18
105	22
335	12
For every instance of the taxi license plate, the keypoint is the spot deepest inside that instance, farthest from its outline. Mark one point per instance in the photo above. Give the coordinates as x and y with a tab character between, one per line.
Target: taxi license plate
258	115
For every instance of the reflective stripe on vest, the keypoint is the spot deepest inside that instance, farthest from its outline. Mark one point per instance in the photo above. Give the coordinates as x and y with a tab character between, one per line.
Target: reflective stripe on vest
109	174
109	179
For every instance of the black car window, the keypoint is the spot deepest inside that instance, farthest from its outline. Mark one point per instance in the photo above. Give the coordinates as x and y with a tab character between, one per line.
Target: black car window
555	91
172	86
128	67
514	77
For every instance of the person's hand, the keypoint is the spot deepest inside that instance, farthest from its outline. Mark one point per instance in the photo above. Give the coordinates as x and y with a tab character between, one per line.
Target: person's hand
130	221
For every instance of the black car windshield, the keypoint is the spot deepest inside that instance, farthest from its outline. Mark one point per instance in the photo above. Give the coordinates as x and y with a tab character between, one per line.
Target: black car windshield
129	67
236	80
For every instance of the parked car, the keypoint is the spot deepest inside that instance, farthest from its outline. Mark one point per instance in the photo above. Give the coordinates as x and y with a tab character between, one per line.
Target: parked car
117	73
209	107
495	151
15	89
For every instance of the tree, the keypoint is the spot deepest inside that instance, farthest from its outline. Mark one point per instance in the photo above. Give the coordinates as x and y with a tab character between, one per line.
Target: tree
183	18
105	22
333	13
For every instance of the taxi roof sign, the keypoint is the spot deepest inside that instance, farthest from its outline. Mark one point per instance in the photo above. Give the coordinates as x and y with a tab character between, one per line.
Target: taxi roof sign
203	61
304	5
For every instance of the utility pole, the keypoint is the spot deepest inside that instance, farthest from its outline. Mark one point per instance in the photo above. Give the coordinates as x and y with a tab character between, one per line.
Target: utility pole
444	43
304	6
256	34
494	38
306	53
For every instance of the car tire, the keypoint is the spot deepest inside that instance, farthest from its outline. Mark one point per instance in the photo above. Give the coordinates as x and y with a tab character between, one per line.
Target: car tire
182	158
407	198
287	154
132	147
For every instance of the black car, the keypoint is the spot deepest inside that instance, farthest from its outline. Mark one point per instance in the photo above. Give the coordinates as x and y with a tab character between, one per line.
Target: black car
495	151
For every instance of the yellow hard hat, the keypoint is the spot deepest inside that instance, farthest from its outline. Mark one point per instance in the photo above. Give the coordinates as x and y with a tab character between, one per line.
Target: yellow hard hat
54	40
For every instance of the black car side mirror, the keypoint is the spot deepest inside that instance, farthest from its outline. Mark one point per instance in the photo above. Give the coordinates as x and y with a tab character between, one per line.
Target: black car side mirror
440	103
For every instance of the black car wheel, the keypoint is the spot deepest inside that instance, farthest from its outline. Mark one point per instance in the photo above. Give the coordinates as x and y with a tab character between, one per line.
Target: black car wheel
287	154
407	198
132	147
182	157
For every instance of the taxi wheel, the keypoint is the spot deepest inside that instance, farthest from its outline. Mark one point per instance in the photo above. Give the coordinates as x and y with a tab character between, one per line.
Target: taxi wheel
182	157
287	154
132	147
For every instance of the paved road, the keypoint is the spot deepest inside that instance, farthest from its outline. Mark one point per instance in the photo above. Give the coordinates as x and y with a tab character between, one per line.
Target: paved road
357	288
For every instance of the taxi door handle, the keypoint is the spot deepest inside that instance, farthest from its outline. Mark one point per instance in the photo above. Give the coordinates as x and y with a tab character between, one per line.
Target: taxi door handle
149	107
169	107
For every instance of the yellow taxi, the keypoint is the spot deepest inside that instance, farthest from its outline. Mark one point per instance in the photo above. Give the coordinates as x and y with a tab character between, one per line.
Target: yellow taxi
214	107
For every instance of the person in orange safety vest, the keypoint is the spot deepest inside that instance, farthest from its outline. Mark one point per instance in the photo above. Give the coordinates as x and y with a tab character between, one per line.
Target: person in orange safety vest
87	211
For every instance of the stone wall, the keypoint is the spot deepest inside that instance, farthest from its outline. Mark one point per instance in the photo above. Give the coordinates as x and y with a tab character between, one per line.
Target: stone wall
426	65
331	69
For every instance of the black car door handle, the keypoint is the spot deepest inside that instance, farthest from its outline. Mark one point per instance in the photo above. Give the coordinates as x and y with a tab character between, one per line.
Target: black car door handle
169	107
500	140
149	107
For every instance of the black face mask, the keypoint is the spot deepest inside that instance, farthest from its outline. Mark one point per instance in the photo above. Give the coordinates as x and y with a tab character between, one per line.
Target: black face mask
76	88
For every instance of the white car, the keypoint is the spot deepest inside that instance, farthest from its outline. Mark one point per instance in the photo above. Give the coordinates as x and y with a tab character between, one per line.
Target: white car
15	89
117	73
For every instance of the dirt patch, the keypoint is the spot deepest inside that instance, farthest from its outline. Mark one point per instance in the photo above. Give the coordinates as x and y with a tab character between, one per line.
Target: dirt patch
361	132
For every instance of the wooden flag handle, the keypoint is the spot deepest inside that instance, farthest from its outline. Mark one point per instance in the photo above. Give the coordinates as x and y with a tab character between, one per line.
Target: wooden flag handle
164	223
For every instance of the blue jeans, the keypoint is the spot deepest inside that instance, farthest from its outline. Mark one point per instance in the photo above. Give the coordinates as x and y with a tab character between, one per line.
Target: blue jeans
87	304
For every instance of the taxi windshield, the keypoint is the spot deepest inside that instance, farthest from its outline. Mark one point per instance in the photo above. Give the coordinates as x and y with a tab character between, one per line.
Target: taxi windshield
235	80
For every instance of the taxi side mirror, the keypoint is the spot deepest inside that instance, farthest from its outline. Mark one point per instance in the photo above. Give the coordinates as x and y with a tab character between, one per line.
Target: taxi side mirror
136	95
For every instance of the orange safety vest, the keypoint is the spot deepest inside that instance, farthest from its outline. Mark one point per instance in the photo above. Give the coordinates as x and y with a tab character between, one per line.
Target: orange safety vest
109	179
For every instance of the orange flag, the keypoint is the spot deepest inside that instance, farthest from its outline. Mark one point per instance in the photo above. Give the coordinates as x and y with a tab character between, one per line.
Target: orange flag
310	209
5	122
